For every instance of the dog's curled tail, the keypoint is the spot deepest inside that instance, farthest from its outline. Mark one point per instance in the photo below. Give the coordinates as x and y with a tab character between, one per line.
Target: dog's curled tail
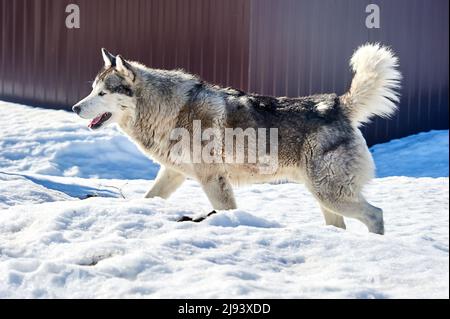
374	88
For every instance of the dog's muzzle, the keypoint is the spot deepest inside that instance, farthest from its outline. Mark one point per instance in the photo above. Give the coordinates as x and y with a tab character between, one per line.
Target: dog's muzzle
76	109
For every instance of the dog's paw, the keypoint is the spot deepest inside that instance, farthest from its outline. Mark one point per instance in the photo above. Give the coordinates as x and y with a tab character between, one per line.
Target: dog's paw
195	220
184	219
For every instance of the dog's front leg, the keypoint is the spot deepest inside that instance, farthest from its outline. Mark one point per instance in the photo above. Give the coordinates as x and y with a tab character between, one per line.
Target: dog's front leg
219	192
166	183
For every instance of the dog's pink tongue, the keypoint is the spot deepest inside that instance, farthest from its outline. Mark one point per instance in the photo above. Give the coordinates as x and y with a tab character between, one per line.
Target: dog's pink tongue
95	121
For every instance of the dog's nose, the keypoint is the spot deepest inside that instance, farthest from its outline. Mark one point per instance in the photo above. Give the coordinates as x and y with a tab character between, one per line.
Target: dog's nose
76	109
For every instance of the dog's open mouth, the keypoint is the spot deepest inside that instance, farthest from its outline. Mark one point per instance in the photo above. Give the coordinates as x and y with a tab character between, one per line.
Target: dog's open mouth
99	120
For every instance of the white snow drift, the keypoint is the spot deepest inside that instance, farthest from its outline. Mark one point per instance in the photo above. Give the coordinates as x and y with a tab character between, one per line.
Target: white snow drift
73	224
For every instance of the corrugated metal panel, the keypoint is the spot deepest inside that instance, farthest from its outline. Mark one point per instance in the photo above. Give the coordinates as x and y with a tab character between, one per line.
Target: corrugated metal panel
279	47
301	47
44	63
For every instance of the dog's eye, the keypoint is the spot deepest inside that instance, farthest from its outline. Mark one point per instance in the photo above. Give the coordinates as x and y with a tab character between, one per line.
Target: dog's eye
101	93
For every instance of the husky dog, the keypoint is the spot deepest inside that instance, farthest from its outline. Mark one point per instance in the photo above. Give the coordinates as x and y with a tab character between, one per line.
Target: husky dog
319	143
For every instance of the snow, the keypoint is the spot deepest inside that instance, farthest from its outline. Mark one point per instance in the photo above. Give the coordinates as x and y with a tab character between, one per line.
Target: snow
73	224
420	155
56	143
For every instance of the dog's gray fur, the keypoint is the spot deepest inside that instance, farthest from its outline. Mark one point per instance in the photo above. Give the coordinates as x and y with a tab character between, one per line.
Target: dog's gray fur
319	142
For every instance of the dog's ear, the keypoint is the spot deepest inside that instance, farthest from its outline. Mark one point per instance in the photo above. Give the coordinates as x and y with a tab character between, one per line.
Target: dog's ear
108	58
125	68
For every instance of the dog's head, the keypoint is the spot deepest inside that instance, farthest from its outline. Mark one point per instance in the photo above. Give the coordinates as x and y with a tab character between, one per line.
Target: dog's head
112	98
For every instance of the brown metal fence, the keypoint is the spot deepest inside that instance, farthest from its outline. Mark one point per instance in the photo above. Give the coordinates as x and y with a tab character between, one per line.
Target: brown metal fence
284	47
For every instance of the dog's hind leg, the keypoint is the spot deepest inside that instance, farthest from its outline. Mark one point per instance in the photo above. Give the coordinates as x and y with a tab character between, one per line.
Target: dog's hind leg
370	215
357	208
332	219
341	196
166	183
336	177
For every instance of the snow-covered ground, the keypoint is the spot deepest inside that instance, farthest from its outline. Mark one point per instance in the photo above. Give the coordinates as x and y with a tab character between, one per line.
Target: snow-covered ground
420	155
57	242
